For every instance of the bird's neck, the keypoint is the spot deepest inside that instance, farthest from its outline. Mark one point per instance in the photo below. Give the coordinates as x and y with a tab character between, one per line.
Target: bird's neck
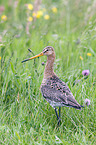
49	71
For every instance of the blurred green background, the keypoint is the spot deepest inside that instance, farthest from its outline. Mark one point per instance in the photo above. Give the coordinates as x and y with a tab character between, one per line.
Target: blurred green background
70	27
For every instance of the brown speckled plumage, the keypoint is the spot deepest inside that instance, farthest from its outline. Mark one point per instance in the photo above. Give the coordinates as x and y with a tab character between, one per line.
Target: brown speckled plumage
55	91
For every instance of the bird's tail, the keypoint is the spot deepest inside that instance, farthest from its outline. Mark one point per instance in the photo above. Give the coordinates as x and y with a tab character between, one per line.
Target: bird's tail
78	107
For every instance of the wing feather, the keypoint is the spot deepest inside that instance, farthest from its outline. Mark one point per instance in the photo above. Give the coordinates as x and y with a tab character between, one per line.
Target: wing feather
57	93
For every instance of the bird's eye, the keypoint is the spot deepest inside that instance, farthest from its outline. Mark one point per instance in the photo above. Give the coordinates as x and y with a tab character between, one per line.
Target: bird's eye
46	50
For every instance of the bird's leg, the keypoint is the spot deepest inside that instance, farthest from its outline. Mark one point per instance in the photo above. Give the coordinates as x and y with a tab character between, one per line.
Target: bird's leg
59	120
56	114
59	111
58	117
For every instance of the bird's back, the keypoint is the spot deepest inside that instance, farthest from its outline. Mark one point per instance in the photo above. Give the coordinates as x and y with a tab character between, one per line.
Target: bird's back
57	93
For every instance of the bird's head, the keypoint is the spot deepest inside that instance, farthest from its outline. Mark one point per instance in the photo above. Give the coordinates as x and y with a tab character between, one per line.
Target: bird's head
49	50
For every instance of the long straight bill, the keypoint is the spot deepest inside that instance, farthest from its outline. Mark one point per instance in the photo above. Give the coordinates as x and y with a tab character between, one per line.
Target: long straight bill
38	55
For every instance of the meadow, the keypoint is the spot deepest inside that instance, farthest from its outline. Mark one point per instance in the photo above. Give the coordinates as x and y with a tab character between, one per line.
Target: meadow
70	27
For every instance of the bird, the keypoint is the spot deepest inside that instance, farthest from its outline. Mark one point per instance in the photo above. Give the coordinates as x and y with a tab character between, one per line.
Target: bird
53	89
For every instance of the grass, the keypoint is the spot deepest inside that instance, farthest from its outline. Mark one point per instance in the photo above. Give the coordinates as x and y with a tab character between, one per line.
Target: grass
26	118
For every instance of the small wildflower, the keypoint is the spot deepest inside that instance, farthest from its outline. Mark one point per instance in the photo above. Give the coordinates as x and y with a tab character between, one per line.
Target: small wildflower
30	19
43	63
85	72
0	57
81	57
34	14
87	102
4	17
89	54
30	6
46	17
39	14
54	9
